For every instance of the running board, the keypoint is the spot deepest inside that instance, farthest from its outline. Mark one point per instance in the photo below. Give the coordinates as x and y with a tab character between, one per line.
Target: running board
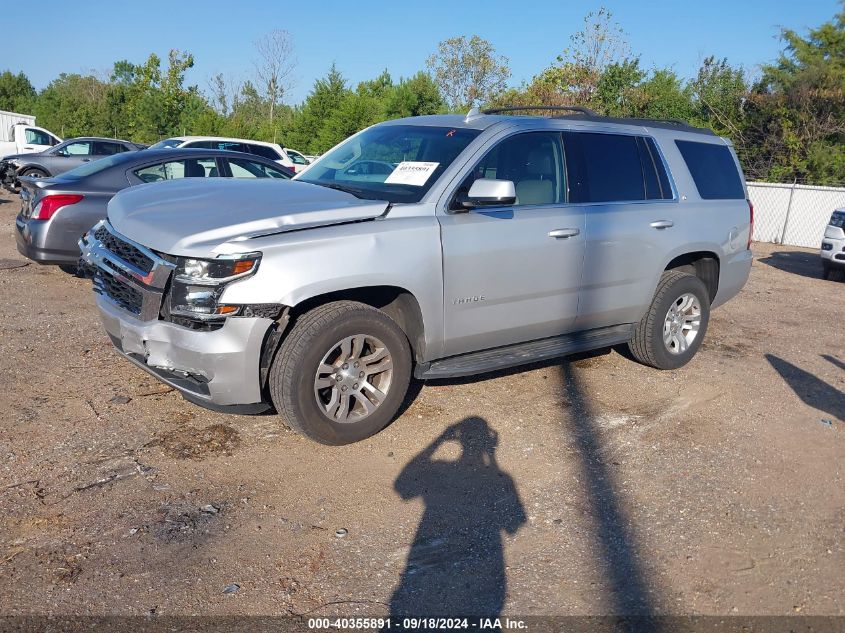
522	353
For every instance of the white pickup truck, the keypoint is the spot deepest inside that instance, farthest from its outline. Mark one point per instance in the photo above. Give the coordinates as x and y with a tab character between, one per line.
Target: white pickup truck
20	135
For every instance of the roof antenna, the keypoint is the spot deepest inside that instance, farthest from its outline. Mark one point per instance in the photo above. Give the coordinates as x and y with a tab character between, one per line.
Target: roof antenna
474	113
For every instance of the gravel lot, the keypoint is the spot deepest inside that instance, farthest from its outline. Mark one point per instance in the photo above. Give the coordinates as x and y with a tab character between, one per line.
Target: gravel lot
588	487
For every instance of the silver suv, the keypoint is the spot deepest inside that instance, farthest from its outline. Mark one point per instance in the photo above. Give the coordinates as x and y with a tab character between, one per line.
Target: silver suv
437	246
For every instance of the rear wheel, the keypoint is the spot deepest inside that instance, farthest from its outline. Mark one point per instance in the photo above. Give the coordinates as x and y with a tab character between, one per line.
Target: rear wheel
342	372
670	333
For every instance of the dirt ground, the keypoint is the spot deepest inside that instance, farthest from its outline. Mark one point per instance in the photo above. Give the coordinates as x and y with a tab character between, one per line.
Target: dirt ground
587	487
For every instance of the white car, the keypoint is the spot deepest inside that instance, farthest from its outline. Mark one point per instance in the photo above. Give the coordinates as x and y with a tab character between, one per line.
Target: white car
273	151
833	246
300	160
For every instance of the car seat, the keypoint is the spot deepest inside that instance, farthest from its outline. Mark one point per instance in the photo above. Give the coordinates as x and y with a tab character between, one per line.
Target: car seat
536	184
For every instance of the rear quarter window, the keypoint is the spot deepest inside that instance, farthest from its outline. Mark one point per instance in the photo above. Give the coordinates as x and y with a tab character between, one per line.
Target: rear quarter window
713	170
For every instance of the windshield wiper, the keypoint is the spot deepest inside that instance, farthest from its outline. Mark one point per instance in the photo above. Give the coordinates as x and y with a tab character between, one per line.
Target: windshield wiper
350	190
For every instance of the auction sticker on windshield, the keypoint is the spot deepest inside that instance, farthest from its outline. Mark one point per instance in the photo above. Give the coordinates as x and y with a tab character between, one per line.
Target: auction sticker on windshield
411	173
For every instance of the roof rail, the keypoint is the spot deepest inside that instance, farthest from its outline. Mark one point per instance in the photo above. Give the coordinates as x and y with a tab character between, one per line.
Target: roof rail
589	115
579	109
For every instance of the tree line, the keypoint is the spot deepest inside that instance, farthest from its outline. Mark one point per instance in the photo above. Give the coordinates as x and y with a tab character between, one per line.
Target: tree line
787	124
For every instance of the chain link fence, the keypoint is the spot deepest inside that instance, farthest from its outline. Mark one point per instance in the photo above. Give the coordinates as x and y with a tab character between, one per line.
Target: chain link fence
793	214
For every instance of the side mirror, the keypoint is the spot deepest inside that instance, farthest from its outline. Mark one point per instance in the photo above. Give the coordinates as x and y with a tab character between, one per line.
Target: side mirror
486	192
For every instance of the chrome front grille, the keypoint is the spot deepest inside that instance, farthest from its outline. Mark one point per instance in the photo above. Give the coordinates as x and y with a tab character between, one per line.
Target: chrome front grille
124	250
124	272
119	292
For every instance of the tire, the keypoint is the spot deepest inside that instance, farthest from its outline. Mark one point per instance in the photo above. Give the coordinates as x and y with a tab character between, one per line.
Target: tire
35	173
825	270
294	382
648	345
70	269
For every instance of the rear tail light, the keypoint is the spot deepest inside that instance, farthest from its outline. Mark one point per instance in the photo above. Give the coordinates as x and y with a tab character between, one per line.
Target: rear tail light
750	223
48	205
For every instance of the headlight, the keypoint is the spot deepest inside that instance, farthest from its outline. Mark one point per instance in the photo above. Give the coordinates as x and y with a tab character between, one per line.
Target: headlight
199	283
216	271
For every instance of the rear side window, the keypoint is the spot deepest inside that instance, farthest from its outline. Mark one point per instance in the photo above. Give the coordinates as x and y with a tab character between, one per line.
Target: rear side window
107	149
175	169
603	167
250	169
614	168
263	151
713	170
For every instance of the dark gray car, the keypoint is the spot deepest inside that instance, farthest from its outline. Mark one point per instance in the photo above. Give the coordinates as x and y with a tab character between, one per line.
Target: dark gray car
56	212
61	158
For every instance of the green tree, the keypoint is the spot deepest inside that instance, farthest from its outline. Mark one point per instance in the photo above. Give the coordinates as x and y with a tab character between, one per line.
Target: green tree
147	102
663	95
16	92
575	76
416	96
617	88
719	91
308	130
73	105
797	109
468	71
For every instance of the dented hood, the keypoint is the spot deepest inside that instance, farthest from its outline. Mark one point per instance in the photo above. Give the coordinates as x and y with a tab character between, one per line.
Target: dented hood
199	216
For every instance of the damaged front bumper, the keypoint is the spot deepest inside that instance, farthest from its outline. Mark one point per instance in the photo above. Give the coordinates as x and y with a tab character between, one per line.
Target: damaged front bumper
218	369
9	175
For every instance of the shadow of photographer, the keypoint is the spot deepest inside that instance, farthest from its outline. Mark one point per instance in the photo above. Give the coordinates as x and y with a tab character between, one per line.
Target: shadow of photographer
455	566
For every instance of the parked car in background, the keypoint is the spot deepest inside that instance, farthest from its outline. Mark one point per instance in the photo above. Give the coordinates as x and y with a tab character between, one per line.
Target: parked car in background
19	134
300	162
56	212
833	246
60	158
273	151
464	245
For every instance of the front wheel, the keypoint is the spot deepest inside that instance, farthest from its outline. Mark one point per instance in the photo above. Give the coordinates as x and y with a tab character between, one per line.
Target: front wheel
825	270
35	173
342	372
670	333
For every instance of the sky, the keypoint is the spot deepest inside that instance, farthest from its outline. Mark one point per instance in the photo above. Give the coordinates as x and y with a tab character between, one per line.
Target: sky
365	38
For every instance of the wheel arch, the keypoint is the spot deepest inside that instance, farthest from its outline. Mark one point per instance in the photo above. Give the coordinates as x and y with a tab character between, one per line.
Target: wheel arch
703	264
398	303
29	167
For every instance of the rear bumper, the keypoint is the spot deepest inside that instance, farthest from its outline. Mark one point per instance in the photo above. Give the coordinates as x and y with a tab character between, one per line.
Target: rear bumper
218	369
733	273
33	240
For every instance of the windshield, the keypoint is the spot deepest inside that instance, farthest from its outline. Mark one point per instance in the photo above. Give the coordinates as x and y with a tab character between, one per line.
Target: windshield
397	163
95	166
167	143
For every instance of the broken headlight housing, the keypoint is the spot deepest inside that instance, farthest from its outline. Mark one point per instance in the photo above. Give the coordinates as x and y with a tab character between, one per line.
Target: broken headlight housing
199	283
